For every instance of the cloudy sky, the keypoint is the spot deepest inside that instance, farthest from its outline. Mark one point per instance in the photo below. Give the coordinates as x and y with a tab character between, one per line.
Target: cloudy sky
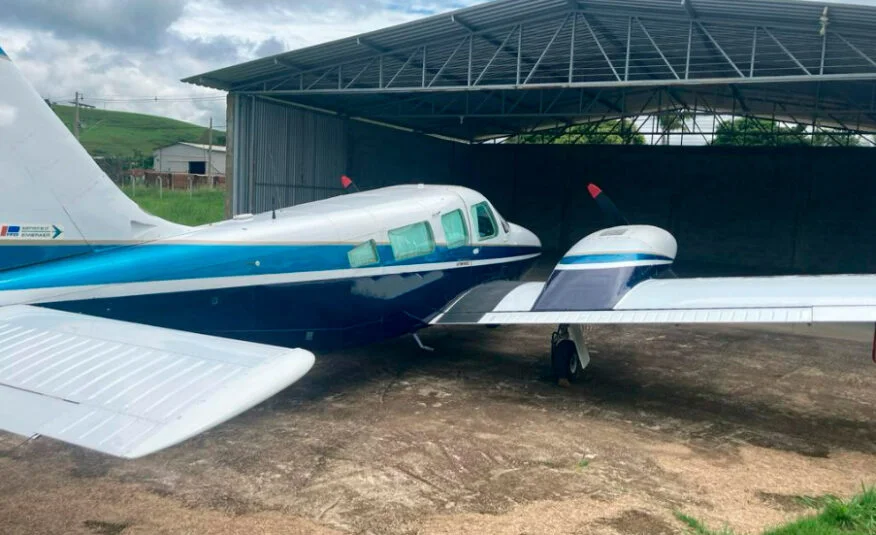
121	53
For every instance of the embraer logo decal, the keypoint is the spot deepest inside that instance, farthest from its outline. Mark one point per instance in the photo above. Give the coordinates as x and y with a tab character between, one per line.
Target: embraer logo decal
30	232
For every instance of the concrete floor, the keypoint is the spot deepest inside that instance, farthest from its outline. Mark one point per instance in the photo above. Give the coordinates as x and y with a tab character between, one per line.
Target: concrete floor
728	425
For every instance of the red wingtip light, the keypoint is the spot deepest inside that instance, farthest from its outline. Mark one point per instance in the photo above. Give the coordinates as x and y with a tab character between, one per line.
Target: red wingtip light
594	190
346	181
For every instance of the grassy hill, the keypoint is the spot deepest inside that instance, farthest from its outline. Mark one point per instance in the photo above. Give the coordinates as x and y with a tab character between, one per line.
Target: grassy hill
121	134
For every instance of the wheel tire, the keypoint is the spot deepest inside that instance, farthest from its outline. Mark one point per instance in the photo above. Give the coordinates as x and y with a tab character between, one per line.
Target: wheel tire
565	362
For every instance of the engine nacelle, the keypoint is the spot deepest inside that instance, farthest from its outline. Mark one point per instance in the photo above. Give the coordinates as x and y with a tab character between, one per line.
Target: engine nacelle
600	269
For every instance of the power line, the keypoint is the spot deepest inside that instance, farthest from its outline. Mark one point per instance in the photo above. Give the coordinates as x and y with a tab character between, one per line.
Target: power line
193	98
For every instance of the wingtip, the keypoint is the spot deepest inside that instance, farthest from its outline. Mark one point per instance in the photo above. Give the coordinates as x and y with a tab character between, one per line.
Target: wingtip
594	190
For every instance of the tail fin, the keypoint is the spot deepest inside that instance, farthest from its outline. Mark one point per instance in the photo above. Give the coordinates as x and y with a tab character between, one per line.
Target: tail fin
54	199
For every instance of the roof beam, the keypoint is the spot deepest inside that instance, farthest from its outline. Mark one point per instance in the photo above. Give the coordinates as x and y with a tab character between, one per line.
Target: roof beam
361	41
471	28
290	64
547	48
721	50
517	53
856	49
657	48
600	47
691	10
786	51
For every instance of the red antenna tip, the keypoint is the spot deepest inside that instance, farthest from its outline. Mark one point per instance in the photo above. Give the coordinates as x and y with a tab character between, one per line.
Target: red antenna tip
346	181
594	190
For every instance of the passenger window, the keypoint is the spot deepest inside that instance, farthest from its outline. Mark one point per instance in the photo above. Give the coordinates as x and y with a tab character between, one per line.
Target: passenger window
412	240
485	221
364	255
455	229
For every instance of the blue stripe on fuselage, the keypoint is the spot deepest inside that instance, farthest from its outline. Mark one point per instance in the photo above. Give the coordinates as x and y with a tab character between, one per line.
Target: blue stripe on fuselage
611	258
163	262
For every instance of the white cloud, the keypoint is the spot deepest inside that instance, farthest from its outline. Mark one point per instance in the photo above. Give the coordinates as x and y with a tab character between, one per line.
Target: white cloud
142	48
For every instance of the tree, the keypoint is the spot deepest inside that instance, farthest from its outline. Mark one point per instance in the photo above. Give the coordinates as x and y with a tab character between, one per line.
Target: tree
672	121
752	132
616	132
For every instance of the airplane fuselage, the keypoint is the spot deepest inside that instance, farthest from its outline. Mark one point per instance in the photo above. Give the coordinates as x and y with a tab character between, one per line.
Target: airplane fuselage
345	271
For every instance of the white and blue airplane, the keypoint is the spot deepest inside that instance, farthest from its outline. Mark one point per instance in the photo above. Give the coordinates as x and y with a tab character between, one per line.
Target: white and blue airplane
126	334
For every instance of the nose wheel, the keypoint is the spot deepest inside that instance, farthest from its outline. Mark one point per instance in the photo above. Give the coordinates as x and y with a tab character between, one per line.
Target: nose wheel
569	355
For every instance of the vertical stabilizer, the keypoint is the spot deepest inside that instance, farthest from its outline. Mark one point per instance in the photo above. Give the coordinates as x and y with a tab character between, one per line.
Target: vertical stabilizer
54	199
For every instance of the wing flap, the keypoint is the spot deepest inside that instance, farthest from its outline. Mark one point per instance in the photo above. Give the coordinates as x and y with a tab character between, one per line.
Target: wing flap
126	389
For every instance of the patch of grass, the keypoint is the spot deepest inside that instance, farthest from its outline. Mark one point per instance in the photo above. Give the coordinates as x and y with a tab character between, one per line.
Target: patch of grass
199	207
837	517
582	464
122	134
854	517
698	528
815	502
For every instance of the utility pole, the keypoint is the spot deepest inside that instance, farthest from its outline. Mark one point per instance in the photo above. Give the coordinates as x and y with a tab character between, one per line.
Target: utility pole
76	118
210	154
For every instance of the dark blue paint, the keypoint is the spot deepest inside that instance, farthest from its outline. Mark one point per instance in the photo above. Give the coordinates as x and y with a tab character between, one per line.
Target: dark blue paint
315	315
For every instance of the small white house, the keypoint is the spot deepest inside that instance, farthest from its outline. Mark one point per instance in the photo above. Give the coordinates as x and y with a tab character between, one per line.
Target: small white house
191	158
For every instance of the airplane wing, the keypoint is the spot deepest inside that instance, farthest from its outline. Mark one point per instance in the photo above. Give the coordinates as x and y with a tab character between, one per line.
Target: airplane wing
818	299
125	389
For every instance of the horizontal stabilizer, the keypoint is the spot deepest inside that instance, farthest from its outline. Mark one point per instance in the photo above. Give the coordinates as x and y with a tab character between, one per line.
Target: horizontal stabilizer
125	389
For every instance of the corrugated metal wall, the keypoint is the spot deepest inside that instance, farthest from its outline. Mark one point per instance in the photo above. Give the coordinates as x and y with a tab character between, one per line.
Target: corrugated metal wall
288	156
284	156
385	157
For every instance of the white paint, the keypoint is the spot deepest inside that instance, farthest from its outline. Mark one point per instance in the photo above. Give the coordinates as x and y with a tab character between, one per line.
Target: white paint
49	178
753	292
609	265
128	390
8	115
631	239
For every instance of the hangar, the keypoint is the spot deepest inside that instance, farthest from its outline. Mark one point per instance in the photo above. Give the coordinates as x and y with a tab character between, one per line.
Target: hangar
431	101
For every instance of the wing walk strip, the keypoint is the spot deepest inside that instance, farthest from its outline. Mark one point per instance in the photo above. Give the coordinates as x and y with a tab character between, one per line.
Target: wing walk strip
126	389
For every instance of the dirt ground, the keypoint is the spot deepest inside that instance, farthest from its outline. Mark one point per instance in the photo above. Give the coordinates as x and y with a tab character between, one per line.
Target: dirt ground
728	425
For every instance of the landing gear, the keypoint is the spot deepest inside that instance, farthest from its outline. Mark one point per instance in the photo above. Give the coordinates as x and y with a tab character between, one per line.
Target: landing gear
423	346
569	355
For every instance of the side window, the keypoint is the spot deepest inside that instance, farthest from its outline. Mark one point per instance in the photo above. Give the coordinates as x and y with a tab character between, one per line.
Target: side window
364	255
412	240
455	229
485	221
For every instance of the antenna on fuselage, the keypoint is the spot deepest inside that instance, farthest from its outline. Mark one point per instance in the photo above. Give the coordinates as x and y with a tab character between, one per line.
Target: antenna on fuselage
273	207
349	185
